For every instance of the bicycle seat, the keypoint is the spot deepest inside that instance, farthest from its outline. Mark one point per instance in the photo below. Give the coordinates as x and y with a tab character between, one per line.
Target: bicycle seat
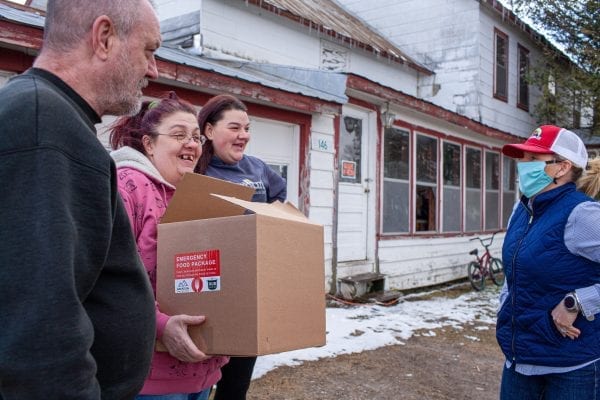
473	252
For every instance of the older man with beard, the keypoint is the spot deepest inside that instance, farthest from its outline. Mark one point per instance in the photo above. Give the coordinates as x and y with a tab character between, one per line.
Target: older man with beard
76	308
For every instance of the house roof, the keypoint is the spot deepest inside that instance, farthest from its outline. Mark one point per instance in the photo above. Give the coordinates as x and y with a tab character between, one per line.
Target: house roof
510	17
322	85
329	18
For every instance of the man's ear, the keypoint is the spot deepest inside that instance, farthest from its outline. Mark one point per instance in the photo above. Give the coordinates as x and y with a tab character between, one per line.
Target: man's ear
103	36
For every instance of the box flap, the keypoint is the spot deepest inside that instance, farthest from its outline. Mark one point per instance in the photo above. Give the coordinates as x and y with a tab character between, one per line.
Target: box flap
192	199
277	209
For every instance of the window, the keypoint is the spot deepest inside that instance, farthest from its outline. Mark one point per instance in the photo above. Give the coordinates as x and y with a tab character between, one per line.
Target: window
350	150
576	111
473	190
492	190
509	184
279	169
426	190
433	184
452	210
396	188
500	65
523	88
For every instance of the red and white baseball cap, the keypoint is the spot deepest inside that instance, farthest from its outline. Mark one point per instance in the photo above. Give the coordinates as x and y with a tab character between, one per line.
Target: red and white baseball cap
550	139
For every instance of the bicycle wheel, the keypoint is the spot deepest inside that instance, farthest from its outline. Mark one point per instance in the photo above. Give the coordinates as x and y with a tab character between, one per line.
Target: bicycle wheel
497	271
476	276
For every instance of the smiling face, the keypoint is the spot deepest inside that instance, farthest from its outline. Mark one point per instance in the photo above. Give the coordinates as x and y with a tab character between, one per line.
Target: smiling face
171	157
230	135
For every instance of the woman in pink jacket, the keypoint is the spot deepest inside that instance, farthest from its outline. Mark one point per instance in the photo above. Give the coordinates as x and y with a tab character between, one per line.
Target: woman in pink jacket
154	149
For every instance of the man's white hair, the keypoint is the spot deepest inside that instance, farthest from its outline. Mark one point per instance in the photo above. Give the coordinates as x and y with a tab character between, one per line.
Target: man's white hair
68	21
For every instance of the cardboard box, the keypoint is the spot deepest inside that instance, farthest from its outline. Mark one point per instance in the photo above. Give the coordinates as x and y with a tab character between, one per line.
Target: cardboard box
257	277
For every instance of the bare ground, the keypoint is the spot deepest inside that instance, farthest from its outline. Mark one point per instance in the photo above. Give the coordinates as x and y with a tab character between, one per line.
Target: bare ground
457	363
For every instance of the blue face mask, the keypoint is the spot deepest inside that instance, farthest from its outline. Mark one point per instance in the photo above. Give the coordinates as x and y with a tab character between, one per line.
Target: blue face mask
532	177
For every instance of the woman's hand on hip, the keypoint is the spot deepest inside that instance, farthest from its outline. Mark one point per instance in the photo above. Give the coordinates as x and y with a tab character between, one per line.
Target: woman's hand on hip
563	320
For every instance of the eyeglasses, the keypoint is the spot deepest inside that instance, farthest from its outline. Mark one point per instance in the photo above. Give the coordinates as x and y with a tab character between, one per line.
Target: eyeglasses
185	139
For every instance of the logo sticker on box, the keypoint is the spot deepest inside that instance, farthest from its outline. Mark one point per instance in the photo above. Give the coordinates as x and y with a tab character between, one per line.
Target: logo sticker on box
199	271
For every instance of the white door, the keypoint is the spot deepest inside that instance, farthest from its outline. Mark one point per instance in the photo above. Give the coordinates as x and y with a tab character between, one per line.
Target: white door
277	144
354	186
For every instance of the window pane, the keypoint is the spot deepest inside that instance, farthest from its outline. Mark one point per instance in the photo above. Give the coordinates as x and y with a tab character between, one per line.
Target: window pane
509	174
426	159
395	206
508	199
501	65
473	210
492	205
473	192
523	71
350	149
509	184
451	164
396	154
501	82
279	169
452	209
473	159
425	208
492	171
492	190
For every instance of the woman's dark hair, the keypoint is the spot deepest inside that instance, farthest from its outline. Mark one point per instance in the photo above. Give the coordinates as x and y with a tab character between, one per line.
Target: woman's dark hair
129	130
211	113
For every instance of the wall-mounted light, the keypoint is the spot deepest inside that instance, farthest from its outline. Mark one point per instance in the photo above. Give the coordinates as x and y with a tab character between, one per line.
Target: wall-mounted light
387	117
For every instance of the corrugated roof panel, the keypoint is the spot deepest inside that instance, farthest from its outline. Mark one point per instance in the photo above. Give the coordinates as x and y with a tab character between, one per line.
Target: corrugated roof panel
331	16
21	16
324	85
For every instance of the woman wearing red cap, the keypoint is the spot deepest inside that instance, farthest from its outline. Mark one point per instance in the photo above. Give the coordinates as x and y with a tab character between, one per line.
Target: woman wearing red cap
551	253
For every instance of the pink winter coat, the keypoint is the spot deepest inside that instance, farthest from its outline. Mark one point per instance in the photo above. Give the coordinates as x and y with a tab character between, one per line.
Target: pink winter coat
146	195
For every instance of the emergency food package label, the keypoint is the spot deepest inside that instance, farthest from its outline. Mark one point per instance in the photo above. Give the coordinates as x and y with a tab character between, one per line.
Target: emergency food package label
199	271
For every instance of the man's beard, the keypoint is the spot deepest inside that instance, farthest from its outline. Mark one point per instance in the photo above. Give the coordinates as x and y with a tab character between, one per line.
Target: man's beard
120	97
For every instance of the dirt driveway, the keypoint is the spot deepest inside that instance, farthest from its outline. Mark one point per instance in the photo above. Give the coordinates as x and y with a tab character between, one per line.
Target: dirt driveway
452	363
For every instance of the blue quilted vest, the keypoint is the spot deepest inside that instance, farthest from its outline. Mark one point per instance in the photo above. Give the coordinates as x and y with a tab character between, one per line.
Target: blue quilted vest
540	271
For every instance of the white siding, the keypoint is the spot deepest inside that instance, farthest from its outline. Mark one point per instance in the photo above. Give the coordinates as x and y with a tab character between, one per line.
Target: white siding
230	28
504	115
441	34
320	166
172	8
410	263
454	38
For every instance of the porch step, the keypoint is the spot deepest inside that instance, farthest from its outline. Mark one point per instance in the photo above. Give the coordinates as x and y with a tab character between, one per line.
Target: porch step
355	286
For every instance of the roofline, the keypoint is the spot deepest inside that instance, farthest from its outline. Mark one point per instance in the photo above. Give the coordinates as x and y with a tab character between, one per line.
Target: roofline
509	16
337	36
401	99
23	40
23	7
